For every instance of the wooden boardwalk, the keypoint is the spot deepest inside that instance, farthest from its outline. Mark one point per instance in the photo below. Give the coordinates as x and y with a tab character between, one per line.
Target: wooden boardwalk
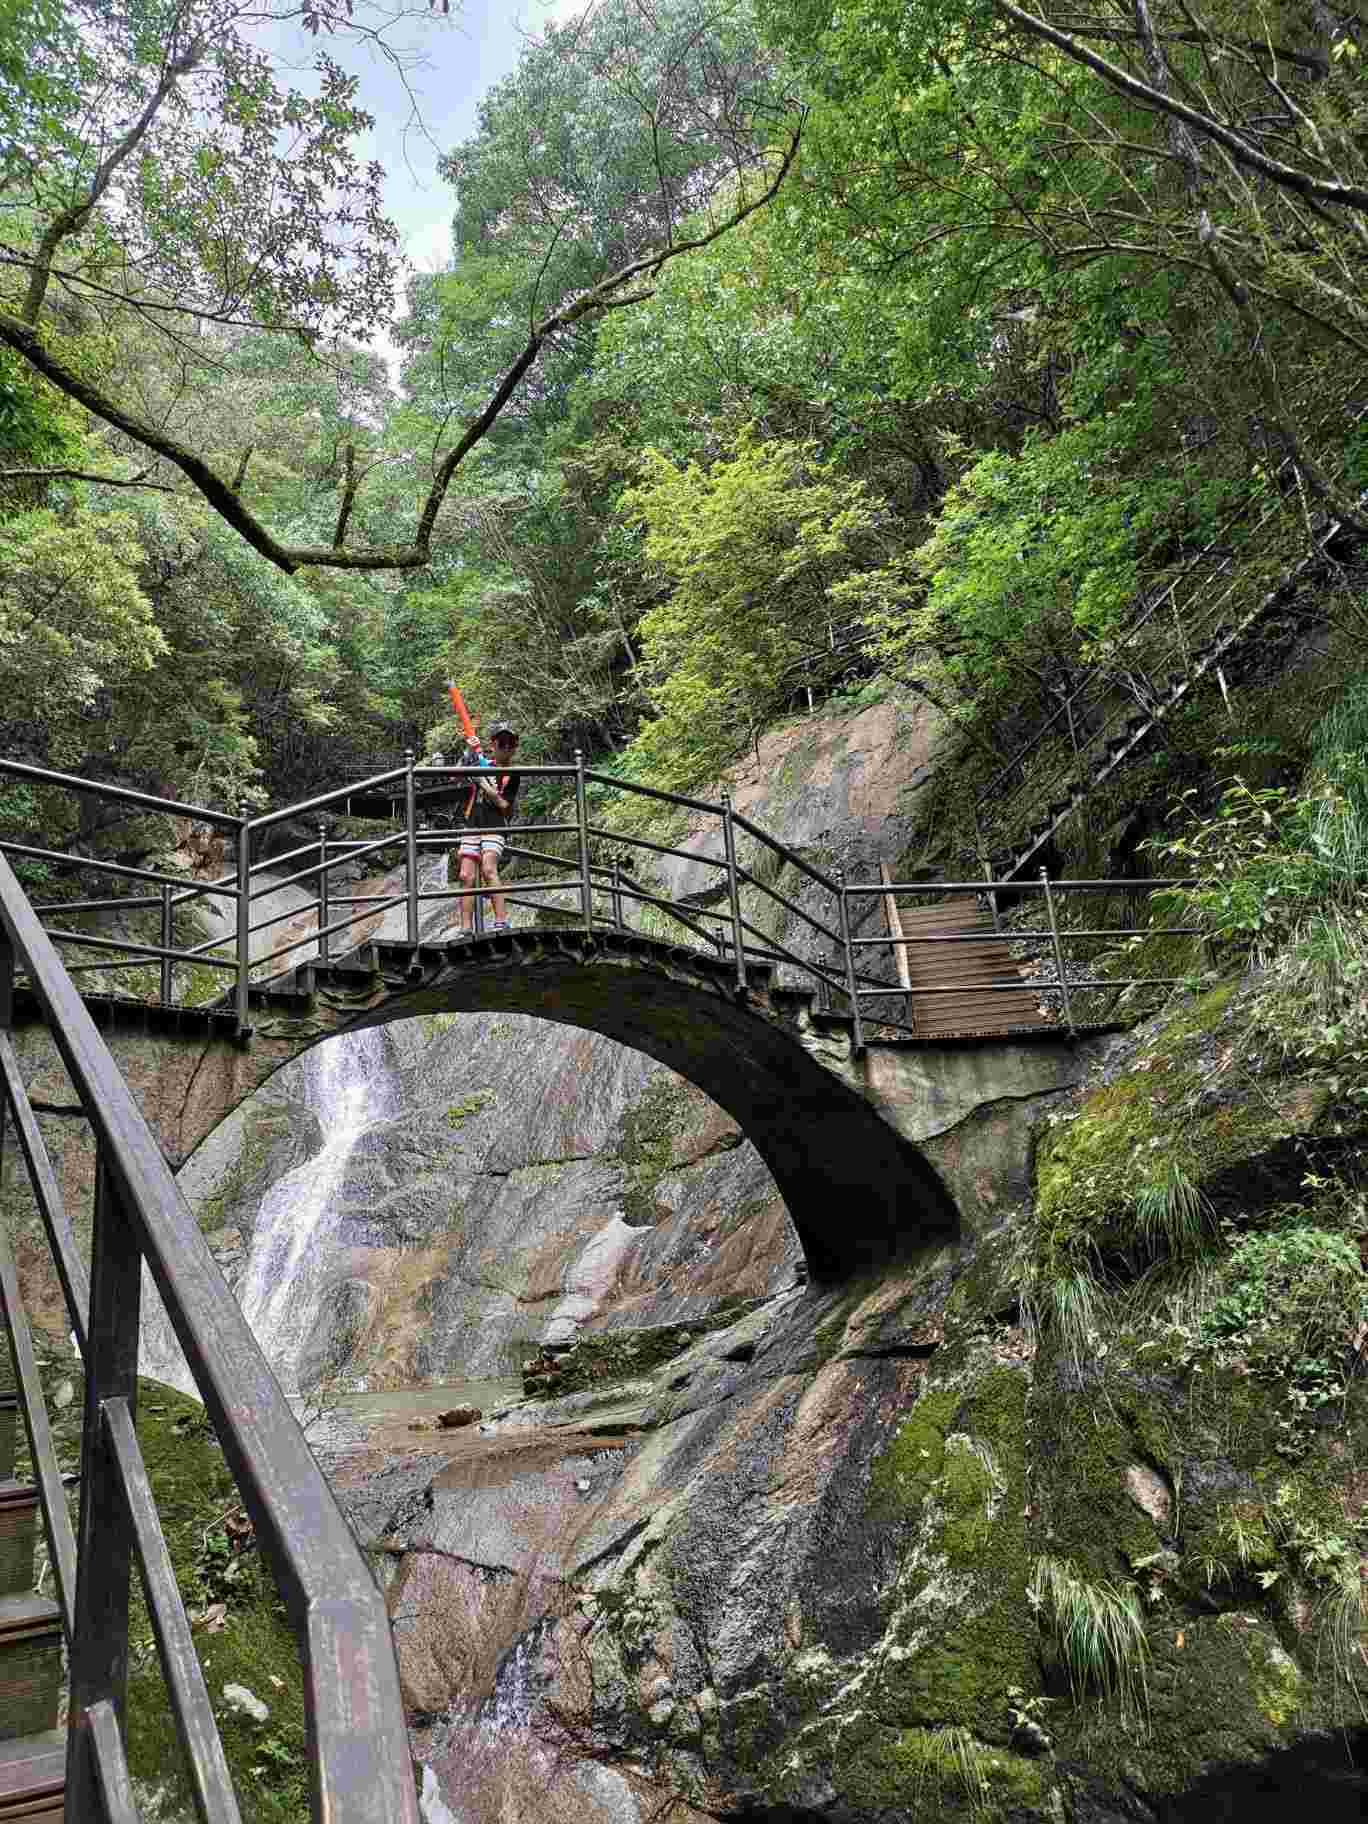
978	956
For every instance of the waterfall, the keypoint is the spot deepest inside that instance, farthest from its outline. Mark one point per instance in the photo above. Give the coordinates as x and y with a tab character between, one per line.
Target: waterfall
346	1084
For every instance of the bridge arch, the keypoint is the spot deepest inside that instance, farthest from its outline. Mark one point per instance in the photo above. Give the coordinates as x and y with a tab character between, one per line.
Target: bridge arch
860	1194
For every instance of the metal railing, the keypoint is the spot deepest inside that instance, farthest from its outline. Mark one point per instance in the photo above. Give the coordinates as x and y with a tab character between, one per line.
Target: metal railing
1074	989
359	1762
583	873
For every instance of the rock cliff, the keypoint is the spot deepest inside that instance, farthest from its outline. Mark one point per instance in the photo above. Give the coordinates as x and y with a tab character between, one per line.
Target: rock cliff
1039	1525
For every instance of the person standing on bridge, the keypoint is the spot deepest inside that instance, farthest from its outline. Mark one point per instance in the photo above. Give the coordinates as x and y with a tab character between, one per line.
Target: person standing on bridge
486	812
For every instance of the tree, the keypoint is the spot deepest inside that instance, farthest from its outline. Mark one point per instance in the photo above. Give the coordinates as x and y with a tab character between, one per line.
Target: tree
157	168
1214	147
747	550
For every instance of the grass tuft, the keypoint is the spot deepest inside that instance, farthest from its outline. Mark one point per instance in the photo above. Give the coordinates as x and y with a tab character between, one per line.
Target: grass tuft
1099	1632
1172	1216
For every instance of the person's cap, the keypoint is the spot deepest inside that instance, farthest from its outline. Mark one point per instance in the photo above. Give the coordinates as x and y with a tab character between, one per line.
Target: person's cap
502	728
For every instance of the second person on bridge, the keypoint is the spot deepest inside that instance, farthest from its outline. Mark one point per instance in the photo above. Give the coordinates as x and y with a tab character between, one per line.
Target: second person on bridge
486	812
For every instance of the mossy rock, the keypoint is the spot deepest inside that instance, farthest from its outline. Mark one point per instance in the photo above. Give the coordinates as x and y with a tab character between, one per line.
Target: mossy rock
1170	1110
945	1774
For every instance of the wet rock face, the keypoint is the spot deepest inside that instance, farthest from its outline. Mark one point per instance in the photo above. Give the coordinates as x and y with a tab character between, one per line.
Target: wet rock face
527	1182
827	1562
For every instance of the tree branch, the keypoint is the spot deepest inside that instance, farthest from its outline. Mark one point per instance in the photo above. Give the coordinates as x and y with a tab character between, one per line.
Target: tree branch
73	218
1343	508
26	341
1349	196
105	481
348	498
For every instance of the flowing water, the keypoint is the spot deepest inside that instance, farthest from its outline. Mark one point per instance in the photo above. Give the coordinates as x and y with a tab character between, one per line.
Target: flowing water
385	1419
348	1086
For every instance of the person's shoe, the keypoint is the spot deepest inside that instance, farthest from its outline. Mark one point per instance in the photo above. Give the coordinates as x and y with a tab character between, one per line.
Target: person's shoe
501	924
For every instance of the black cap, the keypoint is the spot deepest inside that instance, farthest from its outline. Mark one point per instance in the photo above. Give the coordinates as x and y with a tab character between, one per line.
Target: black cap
502	728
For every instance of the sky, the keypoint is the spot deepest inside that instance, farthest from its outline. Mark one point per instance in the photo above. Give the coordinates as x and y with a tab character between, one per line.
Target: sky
464	56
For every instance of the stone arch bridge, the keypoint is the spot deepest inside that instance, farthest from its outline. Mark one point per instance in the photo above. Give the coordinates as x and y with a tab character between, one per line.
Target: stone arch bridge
877	1156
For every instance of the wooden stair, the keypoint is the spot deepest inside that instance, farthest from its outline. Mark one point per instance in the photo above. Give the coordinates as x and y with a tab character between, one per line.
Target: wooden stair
966	965
32	1748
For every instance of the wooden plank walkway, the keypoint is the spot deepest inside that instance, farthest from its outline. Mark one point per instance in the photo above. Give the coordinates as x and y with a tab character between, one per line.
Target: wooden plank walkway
973	1009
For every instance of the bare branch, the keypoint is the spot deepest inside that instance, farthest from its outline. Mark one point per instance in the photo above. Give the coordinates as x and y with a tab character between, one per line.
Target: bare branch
1350	196
1343	508
105	481
607	295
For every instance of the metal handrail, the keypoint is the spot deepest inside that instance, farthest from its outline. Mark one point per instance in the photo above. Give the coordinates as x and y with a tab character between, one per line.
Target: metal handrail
120	794
358	1747
833	918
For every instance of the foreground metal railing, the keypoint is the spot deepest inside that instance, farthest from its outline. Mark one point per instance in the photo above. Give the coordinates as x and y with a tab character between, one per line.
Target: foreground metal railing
577	867
359	1761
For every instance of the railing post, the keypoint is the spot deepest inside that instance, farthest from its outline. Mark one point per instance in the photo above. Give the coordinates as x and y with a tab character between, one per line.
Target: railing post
324	914
410	847
244	922
99	1649
582	820
1058	951
167	967
617	893
6	987
734	893
852	987
991	895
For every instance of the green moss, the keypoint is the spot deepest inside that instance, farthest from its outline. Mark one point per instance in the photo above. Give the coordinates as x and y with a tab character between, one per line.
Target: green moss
967	1488
646	1149
829	1333
1082	1455
262	1127
601	1357
215	1560
965	1638
944	1773
1279	1685
468	1106
1144	1127
901	1476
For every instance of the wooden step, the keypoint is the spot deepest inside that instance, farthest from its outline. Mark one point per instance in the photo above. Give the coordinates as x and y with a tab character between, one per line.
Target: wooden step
30	1665
33	1777
18	1533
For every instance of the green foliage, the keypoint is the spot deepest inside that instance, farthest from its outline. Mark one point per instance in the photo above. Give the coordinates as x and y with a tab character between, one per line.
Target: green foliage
1172	1216
1098	1630
747	548
600	143
461	1111
1038	546
72	616
37	426
1291	1305
1283	881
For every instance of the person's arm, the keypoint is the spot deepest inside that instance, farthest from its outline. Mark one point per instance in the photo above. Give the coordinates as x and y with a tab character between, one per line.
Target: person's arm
506	801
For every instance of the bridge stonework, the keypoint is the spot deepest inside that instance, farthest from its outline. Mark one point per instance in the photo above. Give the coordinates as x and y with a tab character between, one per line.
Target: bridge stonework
877	1156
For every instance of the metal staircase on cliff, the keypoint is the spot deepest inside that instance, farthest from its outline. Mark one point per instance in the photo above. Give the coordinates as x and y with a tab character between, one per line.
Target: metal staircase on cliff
1120	705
